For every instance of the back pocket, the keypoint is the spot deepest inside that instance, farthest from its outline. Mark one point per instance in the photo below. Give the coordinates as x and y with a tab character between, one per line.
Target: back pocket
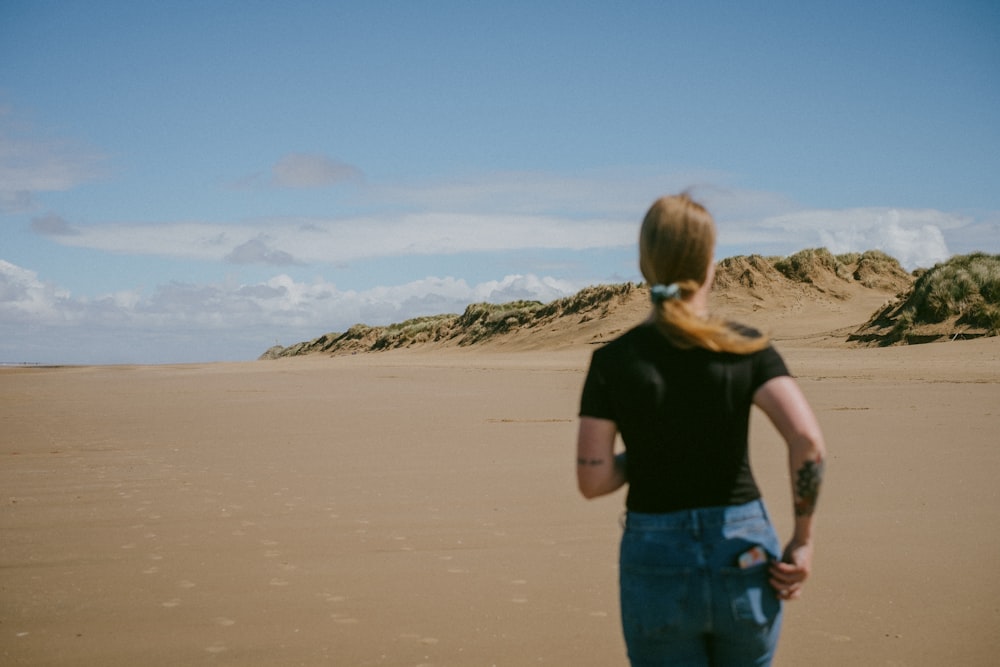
661	602
752	600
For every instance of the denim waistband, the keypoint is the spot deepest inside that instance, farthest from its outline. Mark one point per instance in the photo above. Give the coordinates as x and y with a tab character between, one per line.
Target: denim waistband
693	519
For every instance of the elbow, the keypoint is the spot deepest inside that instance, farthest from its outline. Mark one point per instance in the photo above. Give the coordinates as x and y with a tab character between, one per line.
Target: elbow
595	486
808	445
601	480
588	491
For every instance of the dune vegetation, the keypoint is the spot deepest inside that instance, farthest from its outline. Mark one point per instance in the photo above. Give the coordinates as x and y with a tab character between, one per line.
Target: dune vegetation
959	298
816	267
479	322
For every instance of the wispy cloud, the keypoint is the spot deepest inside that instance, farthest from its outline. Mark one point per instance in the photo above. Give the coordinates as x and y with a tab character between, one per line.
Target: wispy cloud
915	237
259	251
52	225
621	193
300	171
331	241
500	211
30	165
303	170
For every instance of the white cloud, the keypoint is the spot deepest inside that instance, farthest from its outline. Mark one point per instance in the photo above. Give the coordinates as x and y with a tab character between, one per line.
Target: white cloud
982	235
227	320
25	298
527	287
914	245
913	236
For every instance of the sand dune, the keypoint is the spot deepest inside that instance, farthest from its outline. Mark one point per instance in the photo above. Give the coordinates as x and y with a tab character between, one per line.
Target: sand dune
418	507
811	293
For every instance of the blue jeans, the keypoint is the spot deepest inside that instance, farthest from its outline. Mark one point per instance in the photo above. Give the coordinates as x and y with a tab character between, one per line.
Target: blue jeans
684	599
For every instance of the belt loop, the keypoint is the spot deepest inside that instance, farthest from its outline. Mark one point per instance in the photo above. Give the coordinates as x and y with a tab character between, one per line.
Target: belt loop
695	525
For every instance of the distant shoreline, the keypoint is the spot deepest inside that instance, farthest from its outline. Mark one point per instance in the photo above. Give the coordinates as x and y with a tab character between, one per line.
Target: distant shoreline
32	364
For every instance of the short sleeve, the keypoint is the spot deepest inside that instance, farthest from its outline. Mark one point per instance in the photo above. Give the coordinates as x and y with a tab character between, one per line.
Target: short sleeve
596	398
768	365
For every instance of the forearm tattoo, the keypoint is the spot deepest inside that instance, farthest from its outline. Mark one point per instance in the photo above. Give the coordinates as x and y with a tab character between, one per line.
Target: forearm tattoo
808	479
589	462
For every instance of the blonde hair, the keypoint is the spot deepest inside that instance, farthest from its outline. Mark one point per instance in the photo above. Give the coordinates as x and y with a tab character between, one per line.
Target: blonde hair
676	247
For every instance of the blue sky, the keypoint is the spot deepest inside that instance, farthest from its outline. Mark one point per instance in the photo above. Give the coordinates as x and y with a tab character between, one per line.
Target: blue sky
196	181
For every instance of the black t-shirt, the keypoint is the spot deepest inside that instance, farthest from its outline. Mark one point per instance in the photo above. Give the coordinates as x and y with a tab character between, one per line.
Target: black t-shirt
683	416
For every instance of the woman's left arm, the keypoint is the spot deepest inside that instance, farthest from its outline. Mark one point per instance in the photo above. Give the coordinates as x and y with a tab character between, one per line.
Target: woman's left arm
598	471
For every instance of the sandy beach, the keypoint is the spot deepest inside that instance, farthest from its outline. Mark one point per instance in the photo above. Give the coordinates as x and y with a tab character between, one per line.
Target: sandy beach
419	508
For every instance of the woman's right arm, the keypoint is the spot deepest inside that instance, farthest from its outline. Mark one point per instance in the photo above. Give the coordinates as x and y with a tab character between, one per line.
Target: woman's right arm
782	401
598	470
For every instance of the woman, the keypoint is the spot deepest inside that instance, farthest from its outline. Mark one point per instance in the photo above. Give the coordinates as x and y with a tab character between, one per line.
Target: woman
702	576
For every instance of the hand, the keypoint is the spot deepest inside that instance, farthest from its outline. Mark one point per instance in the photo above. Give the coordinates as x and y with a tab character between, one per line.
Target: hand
790	573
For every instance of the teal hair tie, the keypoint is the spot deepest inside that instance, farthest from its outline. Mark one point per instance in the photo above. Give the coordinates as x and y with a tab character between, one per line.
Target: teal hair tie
660	293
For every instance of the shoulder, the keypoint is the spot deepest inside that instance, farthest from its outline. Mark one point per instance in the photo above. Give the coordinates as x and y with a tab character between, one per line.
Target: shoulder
632	340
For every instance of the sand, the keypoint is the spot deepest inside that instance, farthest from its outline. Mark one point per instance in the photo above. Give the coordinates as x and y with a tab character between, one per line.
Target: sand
419	508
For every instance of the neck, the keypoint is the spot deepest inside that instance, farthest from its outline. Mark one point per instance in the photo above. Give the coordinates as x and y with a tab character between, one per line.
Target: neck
699	302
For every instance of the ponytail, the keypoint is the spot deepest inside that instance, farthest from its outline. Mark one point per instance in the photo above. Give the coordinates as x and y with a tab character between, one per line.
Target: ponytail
686	329
676	244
